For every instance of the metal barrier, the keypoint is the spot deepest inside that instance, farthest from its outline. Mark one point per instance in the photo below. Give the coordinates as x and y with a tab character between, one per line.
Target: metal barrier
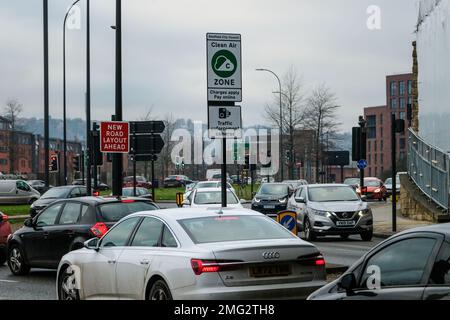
428	167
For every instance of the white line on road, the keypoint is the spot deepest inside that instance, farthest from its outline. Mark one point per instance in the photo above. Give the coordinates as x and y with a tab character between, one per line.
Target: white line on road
9	281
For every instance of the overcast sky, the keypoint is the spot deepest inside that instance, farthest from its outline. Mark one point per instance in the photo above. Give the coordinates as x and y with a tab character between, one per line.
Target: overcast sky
164	53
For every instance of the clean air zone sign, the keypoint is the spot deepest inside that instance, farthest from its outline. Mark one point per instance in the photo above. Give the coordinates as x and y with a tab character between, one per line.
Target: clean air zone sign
224	67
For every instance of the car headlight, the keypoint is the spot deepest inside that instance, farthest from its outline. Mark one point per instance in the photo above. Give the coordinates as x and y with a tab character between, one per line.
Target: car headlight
377	190
364	212
257	200
321	213
282	200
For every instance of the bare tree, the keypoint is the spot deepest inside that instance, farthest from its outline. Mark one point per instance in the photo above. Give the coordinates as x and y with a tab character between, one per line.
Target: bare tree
11	111
321	117
293	114
165	158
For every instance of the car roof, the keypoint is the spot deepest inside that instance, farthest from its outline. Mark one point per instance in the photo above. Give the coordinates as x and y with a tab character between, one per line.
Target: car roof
328	185
197	212
210	189
68	187
443	228
102	200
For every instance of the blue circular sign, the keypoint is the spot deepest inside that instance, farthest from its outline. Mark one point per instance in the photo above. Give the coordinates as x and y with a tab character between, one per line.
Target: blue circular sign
288	222
362	164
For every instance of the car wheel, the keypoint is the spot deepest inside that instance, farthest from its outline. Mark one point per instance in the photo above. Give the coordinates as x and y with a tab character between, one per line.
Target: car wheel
159	291
367	236
16	261
344	236
309	232
67	289
2	257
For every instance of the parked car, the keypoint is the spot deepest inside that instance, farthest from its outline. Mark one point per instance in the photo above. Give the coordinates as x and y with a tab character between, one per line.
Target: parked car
211	197
174	181
272	198
100	185
5	231
193	254
331	209
353	182
140	193
295	184
55	194
411	265
374	189
64	226
206	184
17	192
218	177
140	182
388	185
39	185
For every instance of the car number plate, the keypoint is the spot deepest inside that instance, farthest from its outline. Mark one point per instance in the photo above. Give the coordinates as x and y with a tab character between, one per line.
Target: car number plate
270	271
269	207
345	223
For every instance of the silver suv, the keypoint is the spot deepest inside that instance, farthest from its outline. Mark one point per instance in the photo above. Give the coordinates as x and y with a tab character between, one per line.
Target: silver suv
331	209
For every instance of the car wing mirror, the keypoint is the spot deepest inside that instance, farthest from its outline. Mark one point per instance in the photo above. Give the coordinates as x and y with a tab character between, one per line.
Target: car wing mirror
348	283
364	198
92	244
186	202
28	223
300	200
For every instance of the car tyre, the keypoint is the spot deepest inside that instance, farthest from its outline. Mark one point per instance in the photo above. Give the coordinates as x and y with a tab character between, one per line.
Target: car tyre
2	257
159	291
367	236
309	232
16	261
67	286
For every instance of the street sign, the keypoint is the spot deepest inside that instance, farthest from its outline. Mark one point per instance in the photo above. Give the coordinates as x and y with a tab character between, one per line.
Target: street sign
288	219
147	127
224	122
114	137
224	67
362	164
146	144
145	157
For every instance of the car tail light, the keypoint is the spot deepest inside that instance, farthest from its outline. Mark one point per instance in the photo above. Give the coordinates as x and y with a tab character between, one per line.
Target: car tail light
4	217
312	260
96	193
320	261
128	201
204	266
99	229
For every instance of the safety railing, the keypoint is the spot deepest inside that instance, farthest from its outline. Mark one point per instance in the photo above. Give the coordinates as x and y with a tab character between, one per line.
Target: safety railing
428	167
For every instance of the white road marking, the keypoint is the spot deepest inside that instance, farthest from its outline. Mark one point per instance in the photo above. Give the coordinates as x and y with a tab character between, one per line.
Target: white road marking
9	281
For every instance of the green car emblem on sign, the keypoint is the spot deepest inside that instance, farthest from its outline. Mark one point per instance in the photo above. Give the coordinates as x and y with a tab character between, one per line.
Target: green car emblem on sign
224	63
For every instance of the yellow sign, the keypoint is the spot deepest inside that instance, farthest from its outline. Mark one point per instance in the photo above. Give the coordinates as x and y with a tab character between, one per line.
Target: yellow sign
288	219
179	199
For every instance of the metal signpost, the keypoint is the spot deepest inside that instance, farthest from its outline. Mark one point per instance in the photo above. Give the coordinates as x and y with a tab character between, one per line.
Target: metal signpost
224	72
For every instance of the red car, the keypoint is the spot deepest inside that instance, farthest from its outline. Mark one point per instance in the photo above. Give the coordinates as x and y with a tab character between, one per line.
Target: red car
140	182
5	231
373	189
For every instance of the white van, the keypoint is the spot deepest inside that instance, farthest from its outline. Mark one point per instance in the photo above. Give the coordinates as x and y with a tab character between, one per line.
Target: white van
17	192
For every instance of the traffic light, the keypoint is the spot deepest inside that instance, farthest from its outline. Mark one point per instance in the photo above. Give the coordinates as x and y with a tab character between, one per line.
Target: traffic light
76	160
54	164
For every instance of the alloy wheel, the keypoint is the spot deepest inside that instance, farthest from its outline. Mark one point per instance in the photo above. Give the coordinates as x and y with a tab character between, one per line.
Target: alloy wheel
68	290
15	259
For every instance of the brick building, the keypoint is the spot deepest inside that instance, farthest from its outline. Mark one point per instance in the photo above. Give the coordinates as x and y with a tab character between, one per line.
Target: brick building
399	93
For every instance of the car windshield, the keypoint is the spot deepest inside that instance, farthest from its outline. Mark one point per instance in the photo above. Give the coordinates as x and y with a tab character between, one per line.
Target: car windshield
128	192
372	183
214	197
332	193
56	193
112	212
206	185
351	181
233	228
275	189
388	181
172	177
217	176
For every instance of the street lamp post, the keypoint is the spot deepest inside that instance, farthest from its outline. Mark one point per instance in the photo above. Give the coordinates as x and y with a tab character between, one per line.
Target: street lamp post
64	92
46	93
281	123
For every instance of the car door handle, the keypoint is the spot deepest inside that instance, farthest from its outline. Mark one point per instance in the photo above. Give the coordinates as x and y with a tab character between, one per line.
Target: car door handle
145	262
111	261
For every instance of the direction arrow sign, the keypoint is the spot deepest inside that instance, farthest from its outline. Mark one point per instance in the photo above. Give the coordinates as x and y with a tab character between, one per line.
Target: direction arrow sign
147	127
147	144
114	137
224	67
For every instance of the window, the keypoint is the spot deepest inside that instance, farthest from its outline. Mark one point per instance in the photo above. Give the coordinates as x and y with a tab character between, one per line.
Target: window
70	214
168	240
393	103
376	160
401	263
3	161
410	88
84	210
22	185
381	161
48	216
148	233
381	145
381	118
119	235
375	145
402	115
410	101
369	145
376	170
115	211
75	193
393	88
402	88
402	103
402	143
441	268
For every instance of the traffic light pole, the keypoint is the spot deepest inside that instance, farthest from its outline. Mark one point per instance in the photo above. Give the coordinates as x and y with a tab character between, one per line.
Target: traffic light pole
394	172
46	96
88	102
362	146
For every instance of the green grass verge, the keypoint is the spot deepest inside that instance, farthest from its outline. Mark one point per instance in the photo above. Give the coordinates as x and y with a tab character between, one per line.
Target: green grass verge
15	209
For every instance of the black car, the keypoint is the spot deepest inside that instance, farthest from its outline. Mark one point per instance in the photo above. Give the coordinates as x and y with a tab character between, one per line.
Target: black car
39	185
55	194
174	181
100	185
272	198
64	226
412	265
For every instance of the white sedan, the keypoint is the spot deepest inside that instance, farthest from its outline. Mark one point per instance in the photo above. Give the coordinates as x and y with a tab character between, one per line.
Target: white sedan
187	253
205	184
212	197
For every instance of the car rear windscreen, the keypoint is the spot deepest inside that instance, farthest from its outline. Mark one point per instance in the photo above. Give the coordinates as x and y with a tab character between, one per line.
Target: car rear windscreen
233	228
114	211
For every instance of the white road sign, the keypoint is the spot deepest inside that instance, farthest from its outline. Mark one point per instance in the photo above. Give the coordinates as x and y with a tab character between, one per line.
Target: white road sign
224	67
224	122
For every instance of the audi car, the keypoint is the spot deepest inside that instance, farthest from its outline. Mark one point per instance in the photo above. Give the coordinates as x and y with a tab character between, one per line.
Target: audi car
198	253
